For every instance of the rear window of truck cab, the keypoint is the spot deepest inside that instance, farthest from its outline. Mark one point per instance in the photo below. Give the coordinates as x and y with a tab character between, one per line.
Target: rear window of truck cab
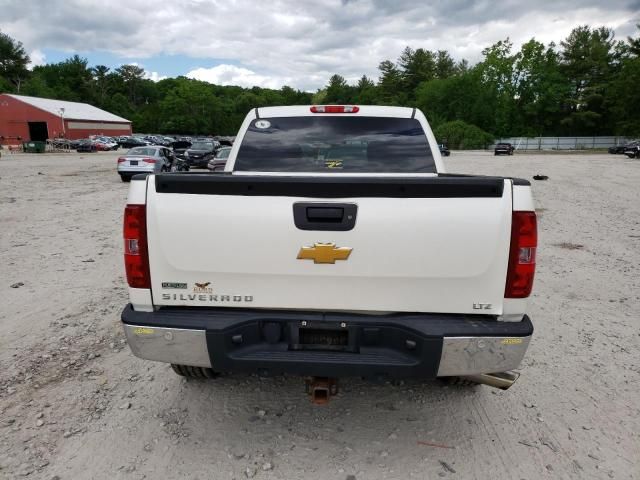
335	144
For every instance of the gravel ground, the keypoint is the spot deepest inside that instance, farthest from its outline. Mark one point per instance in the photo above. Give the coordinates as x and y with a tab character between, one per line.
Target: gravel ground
75	404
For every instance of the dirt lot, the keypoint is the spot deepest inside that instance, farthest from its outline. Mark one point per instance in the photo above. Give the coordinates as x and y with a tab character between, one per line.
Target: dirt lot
75	404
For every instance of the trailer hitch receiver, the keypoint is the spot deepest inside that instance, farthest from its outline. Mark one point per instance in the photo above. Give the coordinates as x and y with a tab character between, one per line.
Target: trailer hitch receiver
321	389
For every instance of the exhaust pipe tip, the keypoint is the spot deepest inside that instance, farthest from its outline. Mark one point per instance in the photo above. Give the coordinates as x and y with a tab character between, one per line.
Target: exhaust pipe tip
500	380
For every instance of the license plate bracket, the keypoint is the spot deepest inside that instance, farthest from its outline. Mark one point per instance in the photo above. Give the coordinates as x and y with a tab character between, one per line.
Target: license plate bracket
323	336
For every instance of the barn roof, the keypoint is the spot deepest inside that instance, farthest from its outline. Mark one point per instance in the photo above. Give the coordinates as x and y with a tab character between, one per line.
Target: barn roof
72	110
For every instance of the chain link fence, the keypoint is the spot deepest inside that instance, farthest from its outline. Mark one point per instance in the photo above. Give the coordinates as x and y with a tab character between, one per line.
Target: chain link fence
562	143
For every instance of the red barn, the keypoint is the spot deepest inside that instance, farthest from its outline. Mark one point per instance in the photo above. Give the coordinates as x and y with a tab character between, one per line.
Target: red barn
37	119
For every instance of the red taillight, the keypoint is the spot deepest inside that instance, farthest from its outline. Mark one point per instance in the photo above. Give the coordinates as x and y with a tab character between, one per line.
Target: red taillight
522	255
121	160
149	160
335	109
136	257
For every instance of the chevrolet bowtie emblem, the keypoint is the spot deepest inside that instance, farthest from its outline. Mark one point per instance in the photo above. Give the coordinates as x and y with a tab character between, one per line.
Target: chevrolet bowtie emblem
324	253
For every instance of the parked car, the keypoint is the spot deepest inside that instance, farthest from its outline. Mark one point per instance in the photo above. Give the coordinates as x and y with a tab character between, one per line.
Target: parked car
180	146
149	159
104	144
617	149
101	147
157	140
621	148
86	145
58	143
74	144
633	150
503	149
217	163
225	141
131	142
444	151
199	154
109	142
179	165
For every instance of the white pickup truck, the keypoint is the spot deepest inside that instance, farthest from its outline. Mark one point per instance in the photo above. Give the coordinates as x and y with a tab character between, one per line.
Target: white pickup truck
334	244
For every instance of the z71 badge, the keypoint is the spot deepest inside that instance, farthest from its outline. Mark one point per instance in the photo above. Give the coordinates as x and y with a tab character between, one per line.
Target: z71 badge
203	287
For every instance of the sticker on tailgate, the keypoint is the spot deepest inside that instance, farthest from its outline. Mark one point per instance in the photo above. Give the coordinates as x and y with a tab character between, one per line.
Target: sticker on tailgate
181	286
143	331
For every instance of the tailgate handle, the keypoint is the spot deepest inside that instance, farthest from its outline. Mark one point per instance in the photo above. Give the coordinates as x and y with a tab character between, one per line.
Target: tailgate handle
325	214
335	217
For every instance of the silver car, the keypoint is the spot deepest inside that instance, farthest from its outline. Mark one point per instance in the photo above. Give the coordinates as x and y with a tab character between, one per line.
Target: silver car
217	163
150	159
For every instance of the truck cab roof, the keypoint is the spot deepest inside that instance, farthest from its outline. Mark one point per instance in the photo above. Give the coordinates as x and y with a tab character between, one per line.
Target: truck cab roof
363	110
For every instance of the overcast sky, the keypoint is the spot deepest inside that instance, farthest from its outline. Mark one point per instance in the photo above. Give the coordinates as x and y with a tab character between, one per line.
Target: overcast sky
297	43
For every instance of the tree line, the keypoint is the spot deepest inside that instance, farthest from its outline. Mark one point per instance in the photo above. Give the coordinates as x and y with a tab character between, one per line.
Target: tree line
586	85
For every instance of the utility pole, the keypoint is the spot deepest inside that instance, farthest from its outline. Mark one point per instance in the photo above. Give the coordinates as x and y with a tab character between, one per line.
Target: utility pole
64	134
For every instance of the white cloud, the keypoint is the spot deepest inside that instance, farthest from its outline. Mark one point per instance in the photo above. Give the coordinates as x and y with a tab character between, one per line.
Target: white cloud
301	43
155	76
225	74
37	58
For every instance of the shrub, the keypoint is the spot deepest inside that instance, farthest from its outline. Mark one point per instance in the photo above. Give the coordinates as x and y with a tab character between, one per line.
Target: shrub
460	135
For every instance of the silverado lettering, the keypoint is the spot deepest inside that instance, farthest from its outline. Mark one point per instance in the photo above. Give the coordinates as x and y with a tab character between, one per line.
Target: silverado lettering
206	298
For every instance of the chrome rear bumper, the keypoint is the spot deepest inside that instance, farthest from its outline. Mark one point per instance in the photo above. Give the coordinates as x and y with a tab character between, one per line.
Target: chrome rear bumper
170	345
475	355
460	356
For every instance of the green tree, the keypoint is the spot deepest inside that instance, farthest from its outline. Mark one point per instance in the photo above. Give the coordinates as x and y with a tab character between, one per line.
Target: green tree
319	97
70	79
246	101
13	61
366	92
445	66
36	86
338	90
132	76
294	97
462	66
588	59
192	107
461	97
416	66
623	94
6	85
390	84
624	100
539	89
634	43
497	79
101	81
119	105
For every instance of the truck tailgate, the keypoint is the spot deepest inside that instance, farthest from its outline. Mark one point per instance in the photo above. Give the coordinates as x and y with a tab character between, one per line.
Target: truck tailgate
418	244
